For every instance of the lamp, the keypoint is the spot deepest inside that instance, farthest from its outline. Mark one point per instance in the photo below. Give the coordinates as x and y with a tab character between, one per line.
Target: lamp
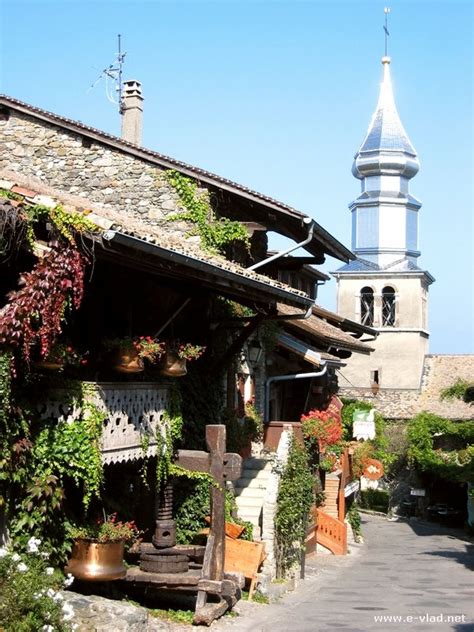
255	351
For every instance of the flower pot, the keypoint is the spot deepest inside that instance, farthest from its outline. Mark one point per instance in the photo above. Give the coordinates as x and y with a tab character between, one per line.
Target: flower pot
173	365
94	561
127	361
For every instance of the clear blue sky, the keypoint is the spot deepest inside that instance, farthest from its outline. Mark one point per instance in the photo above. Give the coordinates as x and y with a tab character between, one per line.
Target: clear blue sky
277	95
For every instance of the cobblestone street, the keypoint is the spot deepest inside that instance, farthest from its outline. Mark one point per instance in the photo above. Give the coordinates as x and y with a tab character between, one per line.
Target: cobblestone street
418	574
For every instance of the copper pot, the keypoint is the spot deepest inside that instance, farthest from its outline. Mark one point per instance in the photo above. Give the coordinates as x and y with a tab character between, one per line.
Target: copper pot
173	365
96	561
128	361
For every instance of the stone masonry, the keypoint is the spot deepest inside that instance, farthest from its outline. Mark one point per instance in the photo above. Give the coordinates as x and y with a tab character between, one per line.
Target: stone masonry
439	372
71	163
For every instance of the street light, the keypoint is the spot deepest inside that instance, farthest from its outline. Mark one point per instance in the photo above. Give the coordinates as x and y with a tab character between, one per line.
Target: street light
255	351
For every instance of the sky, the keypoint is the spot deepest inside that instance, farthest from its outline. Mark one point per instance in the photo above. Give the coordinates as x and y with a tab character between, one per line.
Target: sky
277	95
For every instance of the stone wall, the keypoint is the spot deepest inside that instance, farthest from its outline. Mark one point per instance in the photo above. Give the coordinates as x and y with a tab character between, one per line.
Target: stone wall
68	162
440	372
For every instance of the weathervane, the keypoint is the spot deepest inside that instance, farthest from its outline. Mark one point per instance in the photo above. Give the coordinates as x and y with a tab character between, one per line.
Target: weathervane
385	28
113	73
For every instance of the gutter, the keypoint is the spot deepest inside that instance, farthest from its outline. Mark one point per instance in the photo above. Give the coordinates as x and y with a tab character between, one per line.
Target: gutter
278	255
281	378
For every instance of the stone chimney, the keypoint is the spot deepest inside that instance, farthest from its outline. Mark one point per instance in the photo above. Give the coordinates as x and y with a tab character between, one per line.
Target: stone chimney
132	110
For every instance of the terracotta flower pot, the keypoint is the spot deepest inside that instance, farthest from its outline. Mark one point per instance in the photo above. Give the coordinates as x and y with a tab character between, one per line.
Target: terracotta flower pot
93	561
173	365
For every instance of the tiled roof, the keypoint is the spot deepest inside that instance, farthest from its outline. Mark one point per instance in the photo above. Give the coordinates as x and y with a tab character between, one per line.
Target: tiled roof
317	327
322	238
33	192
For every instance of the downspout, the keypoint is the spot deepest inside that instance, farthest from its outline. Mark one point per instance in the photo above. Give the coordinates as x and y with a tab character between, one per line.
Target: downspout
281	378
278	255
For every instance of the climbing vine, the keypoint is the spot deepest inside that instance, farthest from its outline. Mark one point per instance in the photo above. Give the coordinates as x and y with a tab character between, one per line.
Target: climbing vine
215	232
461	389
295	497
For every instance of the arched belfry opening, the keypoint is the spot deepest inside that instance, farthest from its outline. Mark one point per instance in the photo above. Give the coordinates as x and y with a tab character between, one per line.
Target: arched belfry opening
367	306
388	307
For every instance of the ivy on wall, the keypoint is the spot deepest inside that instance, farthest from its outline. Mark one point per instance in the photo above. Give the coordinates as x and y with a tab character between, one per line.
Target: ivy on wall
216	233
453	464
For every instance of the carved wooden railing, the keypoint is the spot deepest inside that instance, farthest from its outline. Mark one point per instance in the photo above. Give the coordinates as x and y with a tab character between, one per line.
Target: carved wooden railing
134	413
331	533
346	476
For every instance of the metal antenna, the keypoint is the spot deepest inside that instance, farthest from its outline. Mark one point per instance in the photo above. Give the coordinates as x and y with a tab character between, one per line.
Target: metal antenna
113	74
385	28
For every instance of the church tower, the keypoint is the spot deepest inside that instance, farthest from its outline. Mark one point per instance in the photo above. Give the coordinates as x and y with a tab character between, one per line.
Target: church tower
384	287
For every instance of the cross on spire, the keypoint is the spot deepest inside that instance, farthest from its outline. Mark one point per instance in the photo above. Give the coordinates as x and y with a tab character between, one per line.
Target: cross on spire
385	28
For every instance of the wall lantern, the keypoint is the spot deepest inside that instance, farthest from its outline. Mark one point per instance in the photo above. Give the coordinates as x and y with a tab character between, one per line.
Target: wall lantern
255	351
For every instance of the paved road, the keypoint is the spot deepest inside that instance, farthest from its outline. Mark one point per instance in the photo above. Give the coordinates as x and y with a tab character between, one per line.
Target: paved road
420	573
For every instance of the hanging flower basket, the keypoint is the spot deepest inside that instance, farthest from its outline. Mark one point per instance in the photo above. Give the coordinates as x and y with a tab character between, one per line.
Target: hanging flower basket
128	361
173	365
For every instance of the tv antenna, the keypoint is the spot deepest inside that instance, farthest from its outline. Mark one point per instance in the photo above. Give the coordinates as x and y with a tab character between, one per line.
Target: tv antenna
113	78
385	28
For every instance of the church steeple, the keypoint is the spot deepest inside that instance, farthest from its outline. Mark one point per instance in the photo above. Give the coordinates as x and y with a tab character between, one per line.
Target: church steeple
385	215
386	148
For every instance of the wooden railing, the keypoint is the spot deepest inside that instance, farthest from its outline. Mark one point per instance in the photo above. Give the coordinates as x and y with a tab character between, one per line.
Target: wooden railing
331	533
346	477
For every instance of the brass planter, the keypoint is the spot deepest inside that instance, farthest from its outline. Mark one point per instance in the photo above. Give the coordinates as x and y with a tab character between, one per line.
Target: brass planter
127	361
173	365
93	561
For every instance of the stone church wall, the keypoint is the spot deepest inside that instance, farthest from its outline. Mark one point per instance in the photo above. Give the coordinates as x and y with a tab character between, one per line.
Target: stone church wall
440	372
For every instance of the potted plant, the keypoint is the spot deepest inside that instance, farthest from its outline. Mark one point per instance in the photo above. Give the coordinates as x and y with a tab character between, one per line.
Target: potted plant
177	355
98	549
60	355
131	353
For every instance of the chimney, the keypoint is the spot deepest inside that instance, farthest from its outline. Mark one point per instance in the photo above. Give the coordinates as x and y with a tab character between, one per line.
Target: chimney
132	110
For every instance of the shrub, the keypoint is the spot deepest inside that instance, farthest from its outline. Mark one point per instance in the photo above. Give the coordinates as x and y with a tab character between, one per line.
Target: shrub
30	599
375	499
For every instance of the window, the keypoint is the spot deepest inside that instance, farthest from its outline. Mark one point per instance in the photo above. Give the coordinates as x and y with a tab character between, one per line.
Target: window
388	307
367	306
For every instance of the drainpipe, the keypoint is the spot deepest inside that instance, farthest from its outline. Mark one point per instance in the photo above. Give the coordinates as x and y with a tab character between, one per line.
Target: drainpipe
281	378
306	220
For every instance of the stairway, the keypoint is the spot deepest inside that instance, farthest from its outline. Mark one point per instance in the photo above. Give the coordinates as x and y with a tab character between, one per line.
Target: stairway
331	489
250	490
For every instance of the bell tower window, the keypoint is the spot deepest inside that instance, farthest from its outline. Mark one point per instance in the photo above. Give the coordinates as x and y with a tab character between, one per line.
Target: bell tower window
388	307
367	306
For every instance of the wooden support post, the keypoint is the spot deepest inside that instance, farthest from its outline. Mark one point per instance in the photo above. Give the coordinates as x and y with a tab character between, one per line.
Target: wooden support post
221	466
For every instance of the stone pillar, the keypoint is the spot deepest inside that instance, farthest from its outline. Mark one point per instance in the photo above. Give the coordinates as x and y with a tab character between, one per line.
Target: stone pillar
132	111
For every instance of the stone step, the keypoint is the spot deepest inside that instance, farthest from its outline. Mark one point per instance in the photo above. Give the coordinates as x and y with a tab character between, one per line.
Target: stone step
256	464
247	483
249	501
250	492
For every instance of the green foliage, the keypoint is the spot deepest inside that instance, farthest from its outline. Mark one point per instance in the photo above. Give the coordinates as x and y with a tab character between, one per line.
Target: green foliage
216	233
457	465
68	224
380	445
295	497
167	435
353	518
192	504
29	593
240	432
375	499
44	458
172	615
458	390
